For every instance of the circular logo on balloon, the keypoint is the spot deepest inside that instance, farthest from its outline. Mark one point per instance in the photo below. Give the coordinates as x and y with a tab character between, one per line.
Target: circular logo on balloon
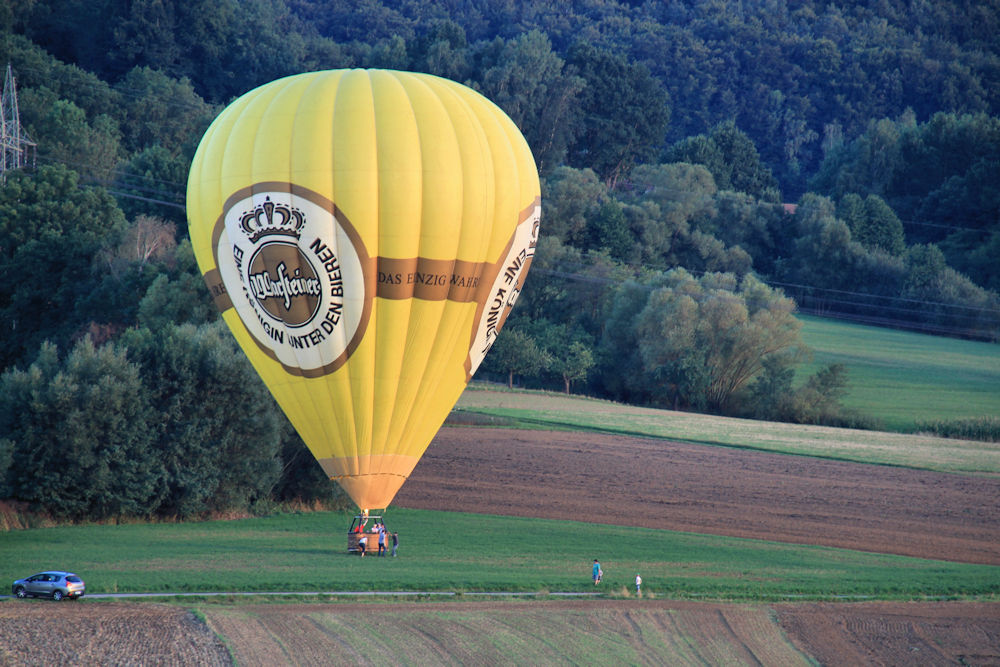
294	269
284	283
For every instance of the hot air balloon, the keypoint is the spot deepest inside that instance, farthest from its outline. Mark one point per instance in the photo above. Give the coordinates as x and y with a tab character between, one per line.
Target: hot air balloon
365	234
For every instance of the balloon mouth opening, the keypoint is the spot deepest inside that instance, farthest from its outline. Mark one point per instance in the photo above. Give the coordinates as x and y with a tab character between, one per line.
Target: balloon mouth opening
371	482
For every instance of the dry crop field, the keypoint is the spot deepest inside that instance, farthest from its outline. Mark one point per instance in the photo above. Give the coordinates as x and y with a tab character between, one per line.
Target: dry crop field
607	479
641	632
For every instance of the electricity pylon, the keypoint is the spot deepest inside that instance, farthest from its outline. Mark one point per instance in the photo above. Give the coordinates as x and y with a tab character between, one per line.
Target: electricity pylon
16	148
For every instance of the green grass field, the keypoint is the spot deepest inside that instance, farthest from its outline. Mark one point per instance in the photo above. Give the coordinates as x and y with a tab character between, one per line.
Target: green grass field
904	378
473	553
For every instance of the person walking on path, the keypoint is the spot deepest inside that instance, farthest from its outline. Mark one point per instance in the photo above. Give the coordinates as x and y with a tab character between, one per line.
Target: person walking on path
598	572
638	585
395	543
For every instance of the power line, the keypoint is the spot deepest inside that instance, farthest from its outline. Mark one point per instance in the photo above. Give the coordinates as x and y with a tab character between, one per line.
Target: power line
110	184
940	226
135	93
598	279
147	199
882	296
808	309
974	315
873	320
576	276
823	294
115	171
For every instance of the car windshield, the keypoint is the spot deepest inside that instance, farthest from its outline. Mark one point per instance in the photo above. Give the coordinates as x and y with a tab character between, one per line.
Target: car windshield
75	579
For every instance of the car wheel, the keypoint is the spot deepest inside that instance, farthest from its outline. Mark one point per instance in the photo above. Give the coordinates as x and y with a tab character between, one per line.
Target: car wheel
57	595
20	592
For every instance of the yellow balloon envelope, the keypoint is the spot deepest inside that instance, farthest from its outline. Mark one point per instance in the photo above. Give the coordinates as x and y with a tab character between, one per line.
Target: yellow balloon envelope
365	234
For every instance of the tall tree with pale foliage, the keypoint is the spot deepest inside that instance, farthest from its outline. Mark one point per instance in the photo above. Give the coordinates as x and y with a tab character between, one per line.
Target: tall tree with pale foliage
705	339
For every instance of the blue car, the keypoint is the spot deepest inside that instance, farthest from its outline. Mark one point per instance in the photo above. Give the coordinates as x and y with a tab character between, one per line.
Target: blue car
52	584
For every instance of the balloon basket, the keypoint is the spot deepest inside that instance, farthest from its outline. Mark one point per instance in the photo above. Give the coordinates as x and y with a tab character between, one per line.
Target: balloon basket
363	525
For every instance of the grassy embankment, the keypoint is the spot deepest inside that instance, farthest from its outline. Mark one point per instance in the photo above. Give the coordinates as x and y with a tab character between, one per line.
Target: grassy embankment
305	552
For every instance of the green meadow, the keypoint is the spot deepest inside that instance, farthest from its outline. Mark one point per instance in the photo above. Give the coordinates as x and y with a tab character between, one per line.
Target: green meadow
470	554
904	378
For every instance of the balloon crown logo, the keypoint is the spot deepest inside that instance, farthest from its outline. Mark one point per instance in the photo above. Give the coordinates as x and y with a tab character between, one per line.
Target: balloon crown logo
270	219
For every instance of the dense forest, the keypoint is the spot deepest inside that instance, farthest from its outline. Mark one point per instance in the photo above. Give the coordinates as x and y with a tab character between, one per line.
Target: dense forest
709	169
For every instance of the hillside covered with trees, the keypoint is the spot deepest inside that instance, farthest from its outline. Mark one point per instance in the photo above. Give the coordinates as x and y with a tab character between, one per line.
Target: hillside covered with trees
708	170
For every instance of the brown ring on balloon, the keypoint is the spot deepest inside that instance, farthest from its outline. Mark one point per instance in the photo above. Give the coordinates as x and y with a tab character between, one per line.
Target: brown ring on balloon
367	268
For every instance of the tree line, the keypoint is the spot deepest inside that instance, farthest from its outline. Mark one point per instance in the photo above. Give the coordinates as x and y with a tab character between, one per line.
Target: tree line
708	170
799	78
123	392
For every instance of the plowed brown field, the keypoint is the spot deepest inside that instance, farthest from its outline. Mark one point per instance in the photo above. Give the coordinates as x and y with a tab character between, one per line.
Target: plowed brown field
599	479
42	632
718	490
883	633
